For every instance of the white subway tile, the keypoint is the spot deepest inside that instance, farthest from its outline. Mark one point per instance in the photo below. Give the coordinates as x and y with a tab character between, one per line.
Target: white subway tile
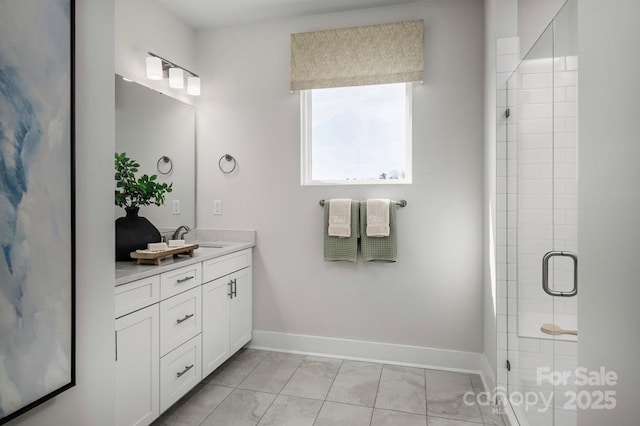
502	340
507	45
532	111
501	150
501	133
512	167
536	66
528	231
535	126
535	171
565	201
537	141
566	78
565	109
501	80
565	171
560	94
512	272
535	96
537	81
538	186
501	98
501	185
506	63
565	140
572	63
535	156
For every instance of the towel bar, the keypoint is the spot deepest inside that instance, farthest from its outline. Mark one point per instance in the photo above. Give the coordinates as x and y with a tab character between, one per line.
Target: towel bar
401	203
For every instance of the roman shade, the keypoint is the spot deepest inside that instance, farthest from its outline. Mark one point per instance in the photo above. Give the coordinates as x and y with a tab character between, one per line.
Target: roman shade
374	54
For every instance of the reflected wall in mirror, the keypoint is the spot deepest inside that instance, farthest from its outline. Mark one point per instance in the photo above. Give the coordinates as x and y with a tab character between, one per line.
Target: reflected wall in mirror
150	126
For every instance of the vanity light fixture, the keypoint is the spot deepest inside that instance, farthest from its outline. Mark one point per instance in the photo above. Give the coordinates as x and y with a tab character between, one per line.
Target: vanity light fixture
193	85
176	78
154	68
159	68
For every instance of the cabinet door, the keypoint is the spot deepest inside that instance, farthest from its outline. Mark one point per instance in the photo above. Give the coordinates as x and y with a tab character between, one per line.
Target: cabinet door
137	367
215	324
241	309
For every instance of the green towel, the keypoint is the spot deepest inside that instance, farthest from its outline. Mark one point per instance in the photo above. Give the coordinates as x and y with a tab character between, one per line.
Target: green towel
379	248
337	248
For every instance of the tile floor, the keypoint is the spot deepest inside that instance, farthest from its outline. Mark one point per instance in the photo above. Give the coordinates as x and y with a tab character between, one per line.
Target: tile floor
275	389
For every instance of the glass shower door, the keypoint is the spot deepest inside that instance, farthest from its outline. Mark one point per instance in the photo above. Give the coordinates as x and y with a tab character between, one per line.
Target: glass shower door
541	214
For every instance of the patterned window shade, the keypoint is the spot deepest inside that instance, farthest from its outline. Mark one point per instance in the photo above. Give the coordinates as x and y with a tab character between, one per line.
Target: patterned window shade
374	54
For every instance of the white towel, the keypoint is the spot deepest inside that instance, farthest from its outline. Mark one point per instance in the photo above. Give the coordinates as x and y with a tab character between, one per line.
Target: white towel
378	218
340	217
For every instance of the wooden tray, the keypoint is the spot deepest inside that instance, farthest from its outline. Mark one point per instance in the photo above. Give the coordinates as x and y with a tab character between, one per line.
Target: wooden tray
146	257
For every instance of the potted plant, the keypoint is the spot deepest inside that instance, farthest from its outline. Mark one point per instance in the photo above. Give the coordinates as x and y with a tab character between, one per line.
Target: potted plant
134	232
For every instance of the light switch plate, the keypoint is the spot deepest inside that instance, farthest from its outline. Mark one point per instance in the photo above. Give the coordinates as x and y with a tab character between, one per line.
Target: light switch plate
176	206
217	206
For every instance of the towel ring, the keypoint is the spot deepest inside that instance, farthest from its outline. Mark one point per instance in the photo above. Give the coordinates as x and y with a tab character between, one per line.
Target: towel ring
228	158
164	159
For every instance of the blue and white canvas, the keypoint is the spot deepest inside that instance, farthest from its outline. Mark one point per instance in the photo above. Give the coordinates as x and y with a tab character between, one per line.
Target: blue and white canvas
36	264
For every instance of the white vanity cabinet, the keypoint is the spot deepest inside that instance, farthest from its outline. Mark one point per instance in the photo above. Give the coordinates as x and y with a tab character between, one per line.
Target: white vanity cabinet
172	331
137	355
226	308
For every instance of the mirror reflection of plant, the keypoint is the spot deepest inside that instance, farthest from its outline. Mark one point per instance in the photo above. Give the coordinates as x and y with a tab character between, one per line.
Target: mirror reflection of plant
132	192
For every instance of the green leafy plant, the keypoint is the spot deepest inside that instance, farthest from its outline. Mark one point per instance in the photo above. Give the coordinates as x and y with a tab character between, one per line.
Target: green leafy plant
132	192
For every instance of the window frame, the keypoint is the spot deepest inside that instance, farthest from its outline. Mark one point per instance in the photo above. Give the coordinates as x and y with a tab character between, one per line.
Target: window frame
306	142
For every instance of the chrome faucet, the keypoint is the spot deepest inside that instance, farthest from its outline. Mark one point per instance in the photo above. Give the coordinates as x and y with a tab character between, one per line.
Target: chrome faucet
180	236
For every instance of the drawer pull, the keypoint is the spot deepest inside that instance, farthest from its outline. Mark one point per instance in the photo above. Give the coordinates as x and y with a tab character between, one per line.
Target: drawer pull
180	281
186	317
234	288
187	368
230	294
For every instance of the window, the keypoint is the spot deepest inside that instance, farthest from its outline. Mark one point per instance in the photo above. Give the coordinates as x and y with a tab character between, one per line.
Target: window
357	135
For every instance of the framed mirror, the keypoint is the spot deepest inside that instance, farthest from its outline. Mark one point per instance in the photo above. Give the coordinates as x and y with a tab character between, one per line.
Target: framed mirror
158	131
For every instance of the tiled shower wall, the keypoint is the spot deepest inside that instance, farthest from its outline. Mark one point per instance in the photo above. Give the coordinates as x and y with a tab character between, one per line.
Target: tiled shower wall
545	110
536	212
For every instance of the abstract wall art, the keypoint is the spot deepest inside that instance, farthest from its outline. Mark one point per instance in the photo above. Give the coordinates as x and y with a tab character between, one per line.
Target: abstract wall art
37	225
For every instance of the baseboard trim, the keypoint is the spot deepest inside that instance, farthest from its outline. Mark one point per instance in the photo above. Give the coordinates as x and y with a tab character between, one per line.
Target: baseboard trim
358	350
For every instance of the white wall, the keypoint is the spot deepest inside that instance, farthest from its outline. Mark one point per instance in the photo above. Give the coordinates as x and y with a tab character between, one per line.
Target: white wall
609	201
433	295
146	26
533	18
91	401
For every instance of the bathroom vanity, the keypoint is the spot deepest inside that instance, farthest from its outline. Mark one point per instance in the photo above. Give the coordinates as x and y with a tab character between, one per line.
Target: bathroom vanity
176	323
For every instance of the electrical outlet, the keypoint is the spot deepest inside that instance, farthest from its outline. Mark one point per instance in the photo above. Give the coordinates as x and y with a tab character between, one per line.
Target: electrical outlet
176	206
217	206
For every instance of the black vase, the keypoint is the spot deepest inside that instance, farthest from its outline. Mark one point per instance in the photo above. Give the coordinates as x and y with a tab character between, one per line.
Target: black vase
133	232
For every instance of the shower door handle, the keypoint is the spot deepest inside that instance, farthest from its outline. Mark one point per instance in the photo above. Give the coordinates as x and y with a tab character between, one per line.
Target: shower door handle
545	274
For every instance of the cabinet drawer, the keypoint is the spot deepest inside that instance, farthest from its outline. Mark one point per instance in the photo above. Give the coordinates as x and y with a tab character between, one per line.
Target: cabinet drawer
137	295
179	280
180	319
224	265
180	371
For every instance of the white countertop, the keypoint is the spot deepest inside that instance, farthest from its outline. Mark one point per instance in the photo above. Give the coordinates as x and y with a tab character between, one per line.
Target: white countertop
131	271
